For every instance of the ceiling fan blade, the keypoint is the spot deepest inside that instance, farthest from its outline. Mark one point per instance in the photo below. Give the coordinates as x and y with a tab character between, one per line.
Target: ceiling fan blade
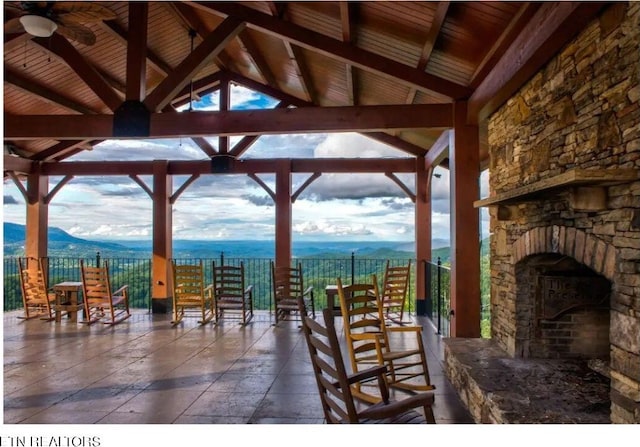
82	12
12	6
77	32
13	26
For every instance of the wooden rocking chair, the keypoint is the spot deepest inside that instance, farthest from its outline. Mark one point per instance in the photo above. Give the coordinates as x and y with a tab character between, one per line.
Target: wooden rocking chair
368	340
100	302
190	295
37	300
336	387
232	299
288	286
394	292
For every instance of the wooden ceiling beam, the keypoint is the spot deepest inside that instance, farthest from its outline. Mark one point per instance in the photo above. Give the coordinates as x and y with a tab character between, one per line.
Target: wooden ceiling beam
249	166
335	49
553	25
237	122
137	52
434	31
33	88
85	71
194	62
294	101
243	145
515	26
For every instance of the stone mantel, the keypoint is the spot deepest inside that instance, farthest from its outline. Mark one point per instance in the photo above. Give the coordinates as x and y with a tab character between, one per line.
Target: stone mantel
570	178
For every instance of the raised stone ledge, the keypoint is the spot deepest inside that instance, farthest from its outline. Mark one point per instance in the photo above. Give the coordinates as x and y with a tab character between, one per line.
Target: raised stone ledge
499	389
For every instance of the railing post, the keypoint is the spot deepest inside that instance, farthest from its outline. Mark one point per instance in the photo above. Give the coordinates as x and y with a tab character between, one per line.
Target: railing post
439	293
353	267
97	259
221	258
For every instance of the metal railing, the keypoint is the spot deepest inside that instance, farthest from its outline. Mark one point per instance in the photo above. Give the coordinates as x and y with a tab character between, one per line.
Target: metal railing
438	295
136	273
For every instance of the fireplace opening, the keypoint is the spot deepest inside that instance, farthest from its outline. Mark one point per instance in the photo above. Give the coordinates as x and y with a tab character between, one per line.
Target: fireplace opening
562	309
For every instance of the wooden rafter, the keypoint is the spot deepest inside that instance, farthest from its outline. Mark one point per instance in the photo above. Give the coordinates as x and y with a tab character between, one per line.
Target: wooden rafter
430	41
210	46
439	150
238	122
187	15
44	93
296	57
347	16
85	71
258	59
551	27
60	149
336	49
121	34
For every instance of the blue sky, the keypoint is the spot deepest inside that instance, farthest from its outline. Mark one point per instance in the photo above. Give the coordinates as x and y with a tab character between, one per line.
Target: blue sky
227	207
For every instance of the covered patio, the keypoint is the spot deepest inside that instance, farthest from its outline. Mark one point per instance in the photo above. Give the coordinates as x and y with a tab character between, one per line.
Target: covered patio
546	95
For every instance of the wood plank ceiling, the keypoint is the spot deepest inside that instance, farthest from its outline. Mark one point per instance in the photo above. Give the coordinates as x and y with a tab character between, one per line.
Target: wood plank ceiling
304	54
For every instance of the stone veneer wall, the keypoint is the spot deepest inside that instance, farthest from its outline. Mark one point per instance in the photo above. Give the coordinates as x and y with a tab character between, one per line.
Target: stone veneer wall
580	111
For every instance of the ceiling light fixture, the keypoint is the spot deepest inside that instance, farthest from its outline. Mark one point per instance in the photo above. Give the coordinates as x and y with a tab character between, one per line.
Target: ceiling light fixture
38	26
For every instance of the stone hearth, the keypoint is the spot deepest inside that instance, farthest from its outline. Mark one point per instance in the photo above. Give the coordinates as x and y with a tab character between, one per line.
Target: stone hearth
500	389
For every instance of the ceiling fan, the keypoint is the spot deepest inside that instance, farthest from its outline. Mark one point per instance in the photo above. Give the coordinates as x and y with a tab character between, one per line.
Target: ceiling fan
42	19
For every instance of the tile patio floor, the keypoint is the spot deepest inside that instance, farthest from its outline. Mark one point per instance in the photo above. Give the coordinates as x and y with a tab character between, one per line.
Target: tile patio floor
144	371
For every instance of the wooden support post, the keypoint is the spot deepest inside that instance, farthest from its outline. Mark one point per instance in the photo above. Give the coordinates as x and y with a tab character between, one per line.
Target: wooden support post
465	226
37	218
422	231
162	238
283	213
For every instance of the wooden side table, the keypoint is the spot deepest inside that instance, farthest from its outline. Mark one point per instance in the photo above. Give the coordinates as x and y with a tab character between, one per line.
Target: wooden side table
332	292
67	300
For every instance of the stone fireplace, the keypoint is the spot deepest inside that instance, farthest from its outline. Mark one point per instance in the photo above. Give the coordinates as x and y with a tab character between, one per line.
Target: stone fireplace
565	241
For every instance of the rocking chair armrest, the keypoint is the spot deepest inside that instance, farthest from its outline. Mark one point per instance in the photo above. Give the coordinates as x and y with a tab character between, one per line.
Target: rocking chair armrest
397	407
309	291
374	371
404	328
120	290
209	288
248	290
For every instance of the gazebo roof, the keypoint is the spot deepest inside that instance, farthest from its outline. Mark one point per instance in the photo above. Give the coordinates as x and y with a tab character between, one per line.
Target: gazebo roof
328	63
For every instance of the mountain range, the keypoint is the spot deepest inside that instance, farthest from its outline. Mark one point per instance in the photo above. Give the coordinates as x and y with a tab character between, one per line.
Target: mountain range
63	244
